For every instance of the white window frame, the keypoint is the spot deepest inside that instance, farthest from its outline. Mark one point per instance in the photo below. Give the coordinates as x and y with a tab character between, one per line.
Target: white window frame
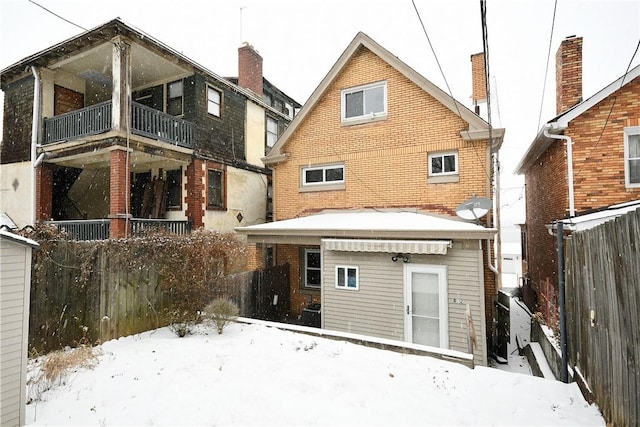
306	267
211	102
324	169
368	116
443	154
345	273
269	132
169	96
629	131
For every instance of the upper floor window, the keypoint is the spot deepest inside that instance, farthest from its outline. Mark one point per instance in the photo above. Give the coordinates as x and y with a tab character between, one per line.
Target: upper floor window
443	164
317	175
175	98
214	101
364	103
272	131
632	156
215	189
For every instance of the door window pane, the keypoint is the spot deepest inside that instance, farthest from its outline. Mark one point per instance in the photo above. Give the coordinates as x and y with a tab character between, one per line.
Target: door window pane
425	294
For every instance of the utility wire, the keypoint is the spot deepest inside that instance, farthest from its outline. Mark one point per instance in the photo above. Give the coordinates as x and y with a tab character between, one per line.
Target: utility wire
455	102
546	71
58	16
613	103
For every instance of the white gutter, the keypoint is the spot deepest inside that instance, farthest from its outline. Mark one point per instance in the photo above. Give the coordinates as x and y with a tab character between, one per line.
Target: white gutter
569	142
35	125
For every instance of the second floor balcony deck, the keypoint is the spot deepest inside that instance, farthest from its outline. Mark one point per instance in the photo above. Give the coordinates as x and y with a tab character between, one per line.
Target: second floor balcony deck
97	119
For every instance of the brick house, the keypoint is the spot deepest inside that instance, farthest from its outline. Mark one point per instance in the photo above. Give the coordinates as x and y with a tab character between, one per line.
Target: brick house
111	132
583	160
367	179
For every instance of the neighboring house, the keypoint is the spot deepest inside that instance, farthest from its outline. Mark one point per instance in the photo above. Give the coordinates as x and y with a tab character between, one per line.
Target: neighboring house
112	131
367	179
15	277
584	159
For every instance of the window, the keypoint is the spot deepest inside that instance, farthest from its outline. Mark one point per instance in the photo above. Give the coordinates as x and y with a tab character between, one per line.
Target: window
312	268
214	101
364	102
215	189
174	98
272	132
323	175
347	277
174	189
443	164
632	156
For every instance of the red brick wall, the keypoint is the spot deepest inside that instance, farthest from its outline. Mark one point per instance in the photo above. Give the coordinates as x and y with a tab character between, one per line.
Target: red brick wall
598	164
118	194
44	192
568	74
299	297
250	69
478	77
195	193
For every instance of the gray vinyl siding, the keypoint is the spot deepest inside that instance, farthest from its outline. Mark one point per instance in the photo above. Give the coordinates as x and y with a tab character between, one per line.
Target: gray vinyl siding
377	308
14	306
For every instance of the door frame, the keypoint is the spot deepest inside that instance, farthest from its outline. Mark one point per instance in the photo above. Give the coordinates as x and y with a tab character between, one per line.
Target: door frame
441	271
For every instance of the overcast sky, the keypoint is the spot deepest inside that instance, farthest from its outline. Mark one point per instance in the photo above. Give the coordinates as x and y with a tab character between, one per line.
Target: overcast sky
301	39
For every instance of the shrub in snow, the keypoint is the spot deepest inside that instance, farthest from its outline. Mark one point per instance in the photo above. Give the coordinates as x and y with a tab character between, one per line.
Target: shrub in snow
222	311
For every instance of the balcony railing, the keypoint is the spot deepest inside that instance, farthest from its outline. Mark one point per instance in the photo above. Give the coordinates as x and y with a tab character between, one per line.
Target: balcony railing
98	229
155	124
75	124
96	119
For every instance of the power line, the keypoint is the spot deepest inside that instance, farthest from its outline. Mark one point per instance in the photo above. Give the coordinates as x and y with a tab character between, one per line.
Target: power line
58	16
546	71
455	102
613	103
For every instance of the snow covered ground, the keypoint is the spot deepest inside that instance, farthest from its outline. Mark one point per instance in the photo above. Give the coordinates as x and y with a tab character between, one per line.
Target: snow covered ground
253	374
520	319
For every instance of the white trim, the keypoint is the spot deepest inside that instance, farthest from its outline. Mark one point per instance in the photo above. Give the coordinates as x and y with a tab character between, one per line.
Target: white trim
443	315
346	269
368	116
628	131
324	168
319	252
209	101
442	154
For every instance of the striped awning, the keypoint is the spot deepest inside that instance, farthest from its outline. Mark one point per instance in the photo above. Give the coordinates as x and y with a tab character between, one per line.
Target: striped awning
434	247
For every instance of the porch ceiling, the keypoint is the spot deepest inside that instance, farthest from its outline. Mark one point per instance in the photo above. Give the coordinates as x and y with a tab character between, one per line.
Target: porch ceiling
141	161
95	65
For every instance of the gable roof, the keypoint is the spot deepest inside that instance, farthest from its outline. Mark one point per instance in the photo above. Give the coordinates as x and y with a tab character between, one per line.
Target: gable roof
559	123
478	127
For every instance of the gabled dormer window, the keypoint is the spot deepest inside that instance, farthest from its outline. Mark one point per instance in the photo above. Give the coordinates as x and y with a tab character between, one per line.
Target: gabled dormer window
364	103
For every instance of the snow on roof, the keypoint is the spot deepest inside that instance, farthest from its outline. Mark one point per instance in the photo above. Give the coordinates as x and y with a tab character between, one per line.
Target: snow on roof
590	220
6	221
18	238
359	221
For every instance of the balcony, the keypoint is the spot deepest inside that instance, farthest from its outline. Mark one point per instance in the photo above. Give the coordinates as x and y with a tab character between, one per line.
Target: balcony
98	229
96	119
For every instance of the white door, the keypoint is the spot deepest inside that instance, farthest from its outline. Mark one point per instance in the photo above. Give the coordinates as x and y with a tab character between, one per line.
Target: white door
426	313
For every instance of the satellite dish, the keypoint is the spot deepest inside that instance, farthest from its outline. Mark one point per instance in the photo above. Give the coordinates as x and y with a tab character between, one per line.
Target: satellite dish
474	208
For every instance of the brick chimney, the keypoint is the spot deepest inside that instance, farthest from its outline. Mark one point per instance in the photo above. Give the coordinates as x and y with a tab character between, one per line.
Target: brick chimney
568	73
250	69
478	83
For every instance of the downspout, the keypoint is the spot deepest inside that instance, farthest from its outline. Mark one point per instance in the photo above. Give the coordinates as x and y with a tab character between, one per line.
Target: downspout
572	209
496	215
564	375
35	126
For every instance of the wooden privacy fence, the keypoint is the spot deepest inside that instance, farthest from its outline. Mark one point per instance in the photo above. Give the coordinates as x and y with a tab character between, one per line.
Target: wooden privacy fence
603	314
73	302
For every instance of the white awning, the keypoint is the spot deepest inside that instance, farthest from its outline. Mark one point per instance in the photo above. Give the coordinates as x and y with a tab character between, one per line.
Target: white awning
435	247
